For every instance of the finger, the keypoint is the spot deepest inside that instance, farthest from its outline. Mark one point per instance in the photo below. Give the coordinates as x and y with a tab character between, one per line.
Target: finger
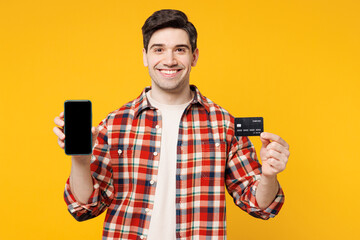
277	165
61	143
59	133
274	137
277	156
61	115
59	121
279	148
95	131
264	141
266	157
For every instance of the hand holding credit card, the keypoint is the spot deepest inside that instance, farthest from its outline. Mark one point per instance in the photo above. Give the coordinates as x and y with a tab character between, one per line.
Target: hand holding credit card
250	126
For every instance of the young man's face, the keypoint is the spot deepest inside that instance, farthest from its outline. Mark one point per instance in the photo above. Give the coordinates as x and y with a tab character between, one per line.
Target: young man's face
169	59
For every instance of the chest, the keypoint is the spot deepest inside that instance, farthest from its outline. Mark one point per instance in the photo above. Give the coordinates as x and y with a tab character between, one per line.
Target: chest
135	146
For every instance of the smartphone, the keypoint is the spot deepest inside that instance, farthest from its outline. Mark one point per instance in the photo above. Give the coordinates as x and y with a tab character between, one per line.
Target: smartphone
77	129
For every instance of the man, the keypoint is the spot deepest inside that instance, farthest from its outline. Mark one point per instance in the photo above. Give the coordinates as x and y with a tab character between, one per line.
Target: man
161	162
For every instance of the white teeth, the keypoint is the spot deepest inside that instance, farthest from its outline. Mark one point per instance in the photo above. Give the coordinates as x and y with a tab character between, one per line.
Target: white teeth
168	71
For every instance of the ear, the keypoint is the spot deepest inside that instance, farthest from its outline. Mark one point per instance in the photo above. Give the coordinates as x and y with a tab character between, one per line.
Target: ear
195	57
145	58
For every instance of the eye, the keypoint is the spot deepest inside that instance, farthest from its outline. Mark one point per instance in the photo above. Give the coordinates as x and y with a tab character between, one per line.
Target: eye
158	50
181	50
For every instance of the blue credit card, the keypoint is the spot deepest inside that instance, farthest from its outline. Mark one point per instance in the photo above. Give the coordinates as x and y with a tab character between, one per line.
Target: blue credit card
250	126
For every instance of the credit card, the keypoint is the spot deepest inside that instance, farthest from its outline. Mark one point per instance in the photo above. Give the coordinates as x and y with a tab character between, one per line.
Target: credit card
251	126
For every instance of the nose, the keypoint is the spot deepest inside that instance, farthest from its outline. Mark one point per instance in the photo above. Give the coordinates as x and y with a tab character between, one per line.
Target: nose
170	59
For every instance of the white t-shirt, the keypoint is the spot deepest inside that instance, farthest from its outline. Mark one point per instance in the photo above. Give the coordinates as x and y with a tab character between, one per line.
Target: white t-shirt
163	215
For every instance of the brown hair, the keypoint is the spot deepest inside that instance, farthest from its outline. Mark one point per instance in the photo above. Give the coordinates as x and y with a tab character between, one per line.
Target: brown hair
168	18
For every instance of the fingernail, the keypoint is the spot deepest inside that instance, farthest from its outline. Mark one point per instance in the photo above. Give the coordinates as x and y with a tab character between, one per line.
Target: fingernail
262	134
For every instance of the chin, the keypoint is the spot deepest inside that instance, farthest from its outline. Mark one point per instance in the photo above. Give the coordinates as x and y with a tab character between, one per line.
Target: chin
167	81
169	87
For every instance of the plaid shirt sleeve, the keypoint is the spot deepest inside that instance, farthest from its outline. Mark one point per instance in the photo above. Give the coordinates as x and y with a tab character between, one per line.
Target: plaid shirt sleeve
101	170
243	173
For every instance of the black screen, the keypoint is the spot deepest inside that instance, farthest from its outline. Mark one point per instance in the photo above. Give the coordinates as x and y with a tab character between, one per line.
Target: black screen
78	137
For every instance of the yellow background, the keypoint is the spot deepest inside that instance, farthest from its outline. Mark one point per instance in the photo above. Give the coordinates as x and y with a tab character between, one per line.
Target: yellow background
295	63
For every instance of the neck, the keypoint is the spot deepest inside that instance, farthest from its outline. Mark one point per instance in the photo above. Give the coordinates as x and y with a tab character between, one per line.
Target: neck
171	97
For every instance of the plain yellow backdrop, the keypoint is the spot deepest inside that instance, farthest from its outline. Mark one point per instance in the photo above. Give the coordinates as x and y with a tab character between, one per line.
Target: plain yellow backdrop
295	63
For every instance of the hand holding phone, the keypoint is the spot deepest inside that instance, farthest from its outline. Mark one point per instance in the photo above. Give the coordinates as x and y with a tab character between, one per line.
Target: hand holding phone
59	131
80	179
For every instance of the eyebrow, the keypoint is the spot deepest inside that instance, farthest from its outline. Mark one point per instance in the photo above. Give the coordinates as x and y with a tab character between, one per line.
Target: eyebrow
162	45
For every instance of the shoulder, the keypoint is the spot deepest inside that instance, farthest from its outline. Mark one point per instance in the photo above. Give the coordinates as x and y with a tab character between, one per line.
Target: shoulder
215	111
126	110
226	121
117	116
221	120
220	113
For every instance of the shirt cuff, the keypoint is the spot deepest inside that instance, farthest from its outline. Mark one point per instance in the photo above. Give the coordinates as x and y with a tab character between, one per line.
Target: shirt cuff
272	210
75	206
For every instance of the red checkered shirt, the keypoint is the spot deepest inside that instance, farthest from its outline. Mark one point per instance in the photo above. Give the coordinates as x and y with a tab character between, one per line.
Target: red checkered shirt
210	157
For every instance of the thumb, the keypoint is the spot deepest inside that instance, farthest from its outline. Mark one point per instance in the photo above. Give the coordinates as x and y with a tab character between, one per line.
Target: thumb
95	133
264	141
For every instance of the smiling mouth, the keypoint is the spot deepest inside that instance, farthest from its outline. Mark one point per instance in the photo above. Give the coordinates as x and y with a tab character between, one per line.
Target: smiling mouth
169	73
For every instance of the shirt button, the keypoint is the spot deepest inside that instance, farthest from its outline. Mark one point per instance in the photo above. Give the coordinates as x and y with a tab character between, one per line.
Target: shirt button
155	153
142	237
147	210
119	151
152	181
217	144
157	126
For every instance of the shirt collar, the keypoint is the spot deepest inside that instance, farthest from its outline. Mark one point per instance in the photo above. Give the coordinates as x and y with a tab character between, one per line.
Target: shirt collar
142	102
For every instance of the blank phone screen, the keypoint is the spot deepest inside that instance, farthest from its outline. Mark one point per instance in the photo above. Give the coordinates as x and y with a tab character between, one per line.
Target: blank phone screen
78	123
